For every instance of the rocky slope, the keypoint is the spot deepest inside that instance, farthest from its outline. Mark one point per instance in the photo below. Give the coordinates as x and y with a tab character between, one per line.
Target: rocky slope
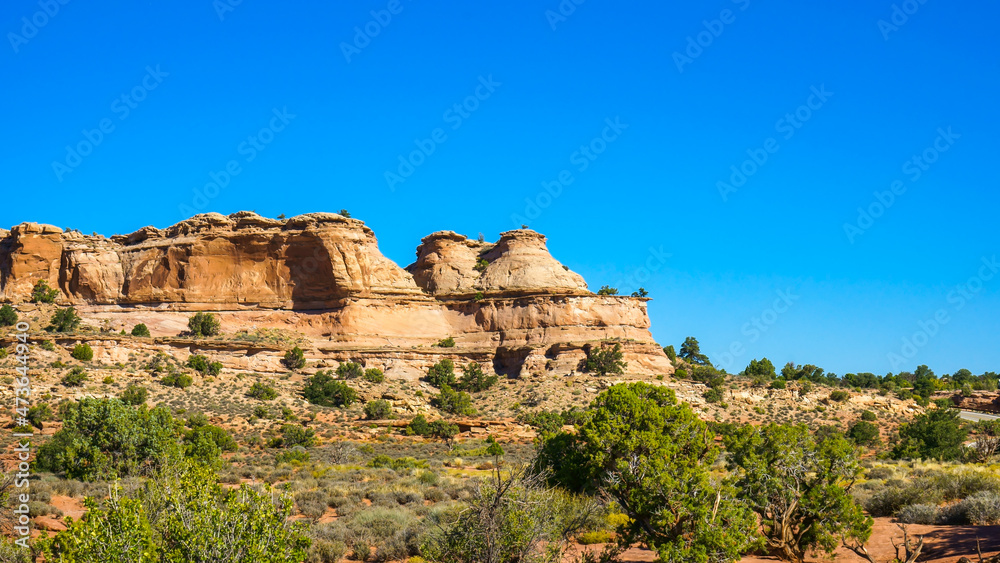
509	305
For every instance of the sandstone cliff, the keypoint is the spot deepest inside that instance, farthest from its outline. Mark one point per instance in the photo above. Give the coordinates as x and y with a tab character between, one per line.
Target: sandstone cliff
322	275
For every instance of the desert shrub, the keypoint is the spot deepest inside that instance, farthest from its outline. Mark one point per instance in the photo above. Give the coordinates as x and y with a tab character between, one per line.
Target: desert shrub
38	415
83	352
778	384
350	370
936	434
323	390
839	395
671	352
178	380
374	375
453	402
218	436
294	435
140	330
980	509
446	343
262	392
294	359
475	380
442	373
108	380
42	293
598	536
134	395
443	429
378	410
869	416
201	364
712	396
204	324
604	360
64	320
295	455
864	433
260	411
418	426
107	439
8	316
398	464
919	514
607	290
48	346
75	378
893	498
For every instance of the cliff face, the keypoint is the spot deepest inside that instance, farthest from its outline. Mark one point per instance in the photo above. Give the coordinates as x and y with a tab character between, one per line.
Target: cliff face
323	275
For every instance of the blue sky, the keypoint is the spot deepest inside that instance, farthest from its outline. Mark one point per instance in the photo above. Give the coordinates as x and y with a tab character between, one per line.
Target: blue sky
645	113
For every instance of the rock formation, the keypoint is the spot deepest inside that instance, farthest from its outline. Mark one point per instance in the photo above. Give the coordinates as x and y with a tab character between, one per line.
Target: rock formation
322	275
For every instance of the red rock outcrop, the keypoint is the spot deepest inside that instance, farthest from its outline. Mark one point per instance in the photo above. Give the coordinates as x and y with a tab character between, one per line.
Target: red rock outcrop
323	275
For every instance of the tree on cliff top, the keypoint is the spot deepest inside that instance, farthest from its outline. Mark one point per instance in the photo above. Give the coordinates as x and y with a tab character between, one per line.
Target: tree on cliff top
204	324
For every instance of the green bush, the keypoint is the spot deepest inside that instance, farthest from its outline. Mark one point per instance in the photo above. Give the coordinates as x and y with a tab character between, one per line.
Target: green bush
201	364
323	390
378	410
936	434
607	290
398	464
604	360
864	433
42	293
474	380
262	392
350	370
418	426
8	316
75	378
295	435
713	395
443	429
140	330
778	384
839	395
64	320
670	352
38	415
294	359
926	514
107	439
442	373
83	352
134	395
869	416
178	380
204	324
374	375
453	402
48	346
446	343
295	456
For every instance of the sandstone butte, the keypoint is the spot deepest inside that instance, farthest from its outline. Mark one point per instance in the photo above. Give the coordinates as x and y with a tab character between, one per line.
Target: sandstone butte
321	275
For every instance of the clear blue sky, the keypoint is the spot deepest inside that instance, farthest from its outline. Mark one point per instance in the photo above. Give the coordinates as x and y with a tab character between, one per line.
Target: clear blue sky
181	86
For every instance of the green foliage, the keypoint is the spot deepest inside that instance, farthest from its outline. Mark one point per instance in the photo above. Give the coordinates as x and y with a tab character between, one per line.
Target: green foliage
262	392
75	378
418	426
481	265
444	430
8	316
39	414
378	410
670	352
936	434
760	371
116	529
442	373
799	486
652	456
48	346
204	443
691	352
839	395
453	402
178	380
493	448
479	296
293	435
869	416
640	293
294	359
713	395
204	324
864	433
350	370
446	343
345	213
604	360
294	456
140	330
474	380
201	364
374	375
83	352
64	320
42	293
607	290
107	439
398	464
134	395
778	384
323	390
